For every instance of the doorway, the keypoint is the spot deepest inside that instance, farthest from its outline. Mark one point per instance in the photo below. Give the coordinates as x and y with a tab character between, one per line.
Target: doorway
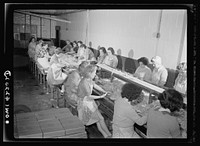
57	42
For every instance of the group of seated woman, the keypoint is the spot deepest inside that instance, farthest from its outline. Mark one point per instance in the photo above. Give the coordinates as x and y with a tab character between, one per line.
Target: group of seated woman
78	84
107	57
159	74
161	121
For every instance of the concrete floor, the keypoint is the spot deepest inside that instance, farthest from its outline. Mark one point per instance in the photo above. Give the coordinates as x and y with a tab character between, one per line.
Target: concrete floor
28	92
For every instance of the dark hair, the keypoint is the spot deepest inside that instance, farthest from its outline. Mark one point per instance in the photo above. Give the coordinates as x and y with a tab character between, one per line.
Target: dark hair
45	43
83	45
182	66
71	44
68	41
83	65
33	37
58	50
88	69
74	42
80	42
103	49
171	99
144	60
131	91
112	50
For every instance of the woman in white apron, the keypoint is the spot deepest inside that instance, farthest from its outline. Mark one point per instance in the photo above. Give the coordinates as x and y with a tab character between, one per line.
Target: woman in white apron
88	111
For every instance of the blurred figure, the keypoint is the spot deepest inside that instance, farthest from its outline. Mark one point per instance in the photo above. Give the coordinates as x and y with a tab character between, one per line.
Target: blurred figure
84	53
102	55
143	72
89	54
79	43
81	54
57	54
43	58
111	59
162	122
52	50
31	47
38	49
74	47
159	74
125	115
181	80
88	111
67	47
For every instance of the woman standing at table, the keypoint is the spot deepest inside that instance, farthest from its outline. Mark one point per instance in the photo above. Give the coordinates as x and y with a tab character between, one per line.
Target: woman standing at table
72	82
143	72
55	75
125	115
162	122
160	73
88	111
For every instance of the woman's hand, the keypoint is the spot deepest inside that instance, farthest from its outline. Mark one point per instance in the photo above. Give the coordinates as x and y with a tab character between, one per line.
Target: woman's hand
102	96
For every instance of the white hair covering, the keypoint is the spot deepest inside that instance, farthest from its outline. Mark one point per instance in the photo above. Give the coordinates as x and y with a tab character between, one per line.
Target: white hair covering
157	59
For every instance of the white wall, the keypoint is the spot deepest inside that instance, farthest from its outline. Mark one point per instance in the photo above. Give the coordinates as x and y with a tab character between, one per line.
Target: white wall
171	35
131	31
184	53
76	30
127	30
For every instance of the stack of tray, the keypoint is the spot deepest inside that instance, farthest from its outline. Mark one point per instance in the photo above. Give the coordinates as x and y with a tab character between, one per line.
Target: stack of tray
52	123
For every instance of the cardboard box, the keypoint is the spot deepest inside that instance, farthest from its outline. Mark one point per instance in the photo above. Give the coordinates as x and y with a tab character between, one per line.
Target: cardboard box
72	125
51	128
63	115
77	135
62	110
29	130
25	116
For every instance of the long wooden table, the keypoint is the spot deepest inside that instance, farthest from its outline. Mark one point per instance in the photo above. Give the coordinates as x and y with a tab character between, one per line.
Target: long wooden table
106	105
129	78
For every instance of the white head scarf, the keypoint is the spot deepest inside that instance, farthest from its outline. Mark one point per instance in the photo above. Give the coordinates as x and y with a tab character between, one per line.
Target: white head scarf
157	59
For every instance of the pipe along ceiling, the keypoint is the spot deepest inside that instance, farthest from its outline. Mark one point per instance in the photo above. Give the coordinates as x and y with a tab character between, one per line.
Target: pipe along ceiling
47	13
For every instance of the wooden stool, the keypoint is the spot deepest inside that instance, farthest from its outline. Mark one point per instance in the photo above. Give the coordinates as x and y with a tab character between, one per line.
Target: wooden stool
72	106
55	94
44	78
